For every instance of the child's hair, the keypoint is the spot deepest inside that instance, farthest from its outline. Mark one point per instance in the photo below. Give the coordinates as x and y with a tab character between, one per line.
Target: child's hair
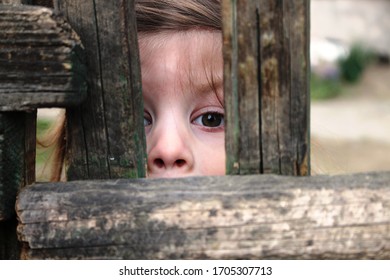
153	17
177	15
56	138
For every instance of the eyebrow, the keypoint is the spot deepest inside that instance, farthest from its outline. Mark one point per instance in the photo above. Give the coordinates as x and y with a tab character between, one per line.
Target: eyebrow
213	84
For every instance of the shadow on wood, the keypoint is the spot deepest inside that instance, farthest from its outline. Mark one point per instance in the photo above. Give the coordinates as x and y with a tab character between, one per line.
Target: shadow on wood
9	245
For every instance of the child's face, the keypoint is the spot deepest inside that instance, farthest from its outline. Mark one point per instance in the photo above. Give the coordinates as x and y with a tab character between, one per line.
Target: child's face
183	100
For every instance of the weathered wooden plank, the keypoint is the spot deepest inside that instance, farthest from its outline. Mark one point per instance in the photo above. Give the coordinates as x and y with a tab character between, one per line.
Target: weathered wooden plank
40	60
232	217
294	116
266	77
107	133
242	86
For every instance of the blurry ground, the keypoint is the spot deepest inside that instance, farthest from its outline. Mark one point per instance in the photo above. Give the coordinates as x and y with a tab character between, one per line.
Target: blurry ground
351	133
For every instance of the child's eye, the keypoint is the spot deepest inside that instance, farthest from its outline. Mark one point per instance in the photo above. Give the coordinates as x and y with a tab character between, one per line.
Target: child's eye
147	119
147	122
210	120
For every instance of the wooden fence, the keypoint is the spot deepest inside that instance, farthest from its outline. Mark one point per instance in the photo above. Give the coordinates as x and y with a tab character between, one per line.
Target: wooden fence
231	217
266	74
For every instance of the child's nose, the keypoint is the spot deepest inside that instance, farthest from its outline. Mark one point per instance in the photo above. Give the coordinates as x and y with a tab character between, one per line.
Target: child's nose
170	154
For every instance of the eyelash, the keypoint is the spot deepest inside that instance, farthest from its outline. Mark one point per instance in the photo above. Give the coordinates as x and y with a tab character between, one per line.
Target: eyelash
220	126
217	116
147	118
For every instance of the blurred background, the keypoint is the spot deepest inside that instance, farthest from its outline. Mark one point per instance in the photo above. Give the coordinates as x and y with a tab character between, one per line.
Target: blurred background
350	86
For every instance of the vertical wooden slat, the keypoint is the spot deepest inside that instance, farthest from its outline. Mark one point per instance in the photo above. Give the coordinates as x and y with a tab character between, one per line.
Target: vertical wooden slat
266	92
12	146
300	83
88	149
30	144
17	157
229	12
106	134
241	71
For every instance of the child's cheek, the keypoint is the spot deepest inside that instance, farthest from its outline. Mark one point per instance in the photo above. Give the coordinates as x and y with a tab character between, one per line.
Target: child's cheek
210	152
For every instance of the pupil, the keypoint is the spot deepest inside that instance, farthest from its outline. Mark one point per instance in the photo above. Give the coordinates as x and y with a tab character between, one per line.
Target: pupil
212	120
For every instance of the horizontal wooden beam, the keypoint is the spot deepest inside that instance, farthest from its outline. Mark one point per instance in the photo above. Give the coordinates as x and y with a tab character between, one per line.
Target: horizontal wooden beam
41	60
231	217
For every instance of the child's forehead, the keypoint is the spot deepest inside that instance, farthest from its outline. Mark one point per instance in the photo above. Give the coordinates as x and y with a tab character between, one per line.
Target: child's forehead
185	58
182	62
197	46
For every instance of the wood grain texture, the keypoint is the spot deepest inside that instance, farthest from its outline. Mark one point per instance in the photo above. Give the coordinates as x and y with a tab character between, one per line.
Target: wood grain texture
241	56
106	133
231	217
266	47
41	60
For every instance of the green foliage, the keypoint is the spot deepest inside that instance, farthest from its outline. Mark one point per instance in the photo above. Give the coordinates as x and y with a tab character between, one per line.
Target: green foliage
350	70
352	66
321	88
